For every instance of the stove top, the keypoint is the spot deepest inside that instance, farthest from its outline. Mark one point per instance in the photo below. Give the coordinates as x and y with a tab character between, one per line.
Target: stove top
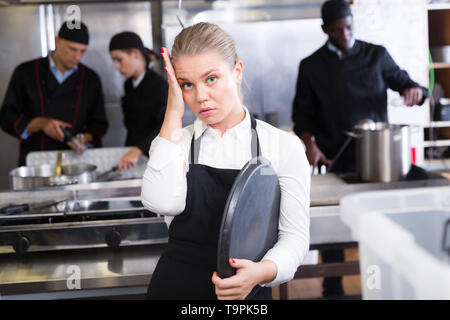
415	173
88	218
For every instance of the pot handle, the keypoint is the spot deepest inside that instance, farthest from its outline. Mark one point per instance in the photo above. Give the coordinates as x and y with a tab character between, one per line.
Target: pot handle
353	135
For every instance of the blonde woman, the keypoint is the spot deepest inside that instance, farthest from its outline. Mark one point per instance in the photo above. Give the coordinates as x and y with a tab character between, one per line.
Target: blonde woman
205	72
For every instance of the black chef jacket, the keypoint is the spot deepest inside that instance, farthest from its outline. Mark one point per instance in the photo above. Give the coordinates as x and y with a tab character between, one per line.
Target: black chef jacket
143	109
33	91
333	94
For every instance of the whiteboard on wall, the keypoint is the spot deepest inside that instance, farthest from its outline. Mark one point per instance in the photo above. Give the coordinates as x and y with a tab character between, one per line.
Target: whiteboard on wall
402	27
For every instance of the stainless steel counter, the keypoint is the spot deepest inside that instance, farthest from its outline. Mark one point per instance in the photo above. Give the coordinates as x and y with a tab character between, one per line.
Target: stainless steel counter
78	274
328	189
127	271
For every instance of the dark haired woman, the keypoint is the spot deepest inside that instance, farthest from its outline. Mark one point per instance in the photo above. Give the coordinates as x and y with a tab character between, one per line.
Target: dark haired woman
145	99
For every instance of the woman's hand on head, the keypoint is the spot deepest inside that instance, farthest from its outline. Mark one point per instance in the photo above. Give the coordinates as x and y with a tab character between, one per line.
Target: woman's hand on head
248	275
175	101
171	128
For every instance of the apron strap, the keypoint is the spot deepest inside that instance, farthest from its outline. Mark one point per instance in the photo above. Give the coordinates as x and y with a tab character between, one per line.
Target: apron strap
256	149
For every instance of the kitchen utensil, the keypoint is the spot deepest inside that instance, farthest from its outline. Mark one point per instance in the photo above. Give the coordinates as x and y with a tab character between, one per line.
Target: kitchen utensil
250	220
75	207
383	154
69	137
363	124
28	177
58	169
108	175
339	153
29	207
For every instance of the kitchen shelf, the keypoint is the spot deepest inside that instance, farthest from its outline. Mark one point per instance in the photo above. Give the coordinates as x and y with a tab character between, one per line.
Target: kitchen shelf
440	65
436	143
437	124
439	6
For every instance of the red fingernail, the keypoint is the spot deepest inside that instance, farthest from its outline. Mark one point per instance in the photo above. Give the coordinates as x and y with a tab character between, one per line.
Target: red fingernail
162	50
165	69
232	260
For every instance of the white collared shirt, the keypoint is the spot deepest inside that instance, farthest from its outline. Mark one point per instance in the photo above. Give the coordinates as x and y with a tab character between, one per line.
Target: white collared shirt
138	80
164	185
336	50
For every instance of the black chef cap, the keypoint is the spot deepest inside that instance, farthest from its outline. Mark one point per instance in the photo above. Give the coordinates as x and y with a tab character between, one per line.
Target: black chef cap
126	40
130	40
70	32
335	9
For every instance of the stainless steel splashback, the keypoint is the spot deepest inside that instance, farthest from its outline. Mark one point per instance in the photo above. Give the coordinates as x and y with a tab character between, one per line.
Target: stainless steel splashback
20	40
104	20
27	32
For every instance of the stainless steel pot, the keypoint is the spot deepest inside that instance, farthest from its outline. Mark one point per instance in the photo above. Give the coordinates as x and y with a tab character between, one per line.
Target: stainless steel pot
29	177
383	152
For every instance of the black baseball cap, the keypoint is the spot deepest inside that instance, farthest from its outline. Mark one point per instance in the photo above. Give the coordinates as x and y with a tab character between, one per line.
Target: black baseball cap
126	40
75	31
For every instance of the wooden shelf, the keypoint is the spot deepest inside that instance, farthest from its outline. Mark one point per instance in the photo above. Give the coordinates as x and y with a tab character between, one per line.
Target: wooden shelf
436	143
437	124
439	6
439	65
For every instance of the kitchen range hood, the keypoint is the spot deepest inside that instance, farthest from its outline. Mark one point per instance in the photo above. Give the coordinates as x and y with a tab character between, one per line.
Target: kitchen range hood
25	2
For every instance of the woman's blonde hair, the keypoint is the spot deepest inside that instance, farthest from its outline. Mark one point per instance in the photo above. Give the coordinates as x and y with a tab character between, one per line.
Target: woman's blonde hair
204	37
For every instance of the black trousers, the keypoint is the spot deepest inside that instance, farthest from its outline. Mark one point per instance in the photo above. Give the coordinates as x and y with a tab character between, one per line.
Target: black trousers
332	286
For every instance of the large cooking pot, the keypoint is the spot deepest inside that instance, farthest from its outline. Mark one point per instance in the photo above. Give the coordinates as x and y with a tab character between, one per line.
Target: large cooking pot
383	151
28	177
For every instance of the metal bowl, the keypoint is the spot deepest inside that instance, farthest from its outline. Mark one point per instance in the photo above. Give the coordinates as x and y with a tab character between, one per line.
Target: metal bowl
29	177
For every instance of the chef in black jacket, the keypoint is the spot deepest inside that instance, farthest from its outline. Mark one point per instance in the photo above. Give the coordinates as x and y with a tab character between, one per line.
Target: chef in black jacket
47	93
342	82
145	99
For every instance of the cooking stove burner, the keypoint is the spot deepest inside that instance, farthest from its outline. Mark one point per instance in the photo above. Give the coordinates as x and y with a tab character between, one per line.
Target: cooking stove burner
415	173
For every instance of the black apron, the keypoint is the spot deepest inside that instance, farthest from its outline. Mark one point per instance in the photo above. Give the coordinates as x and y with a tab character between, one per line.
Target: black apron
185	268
